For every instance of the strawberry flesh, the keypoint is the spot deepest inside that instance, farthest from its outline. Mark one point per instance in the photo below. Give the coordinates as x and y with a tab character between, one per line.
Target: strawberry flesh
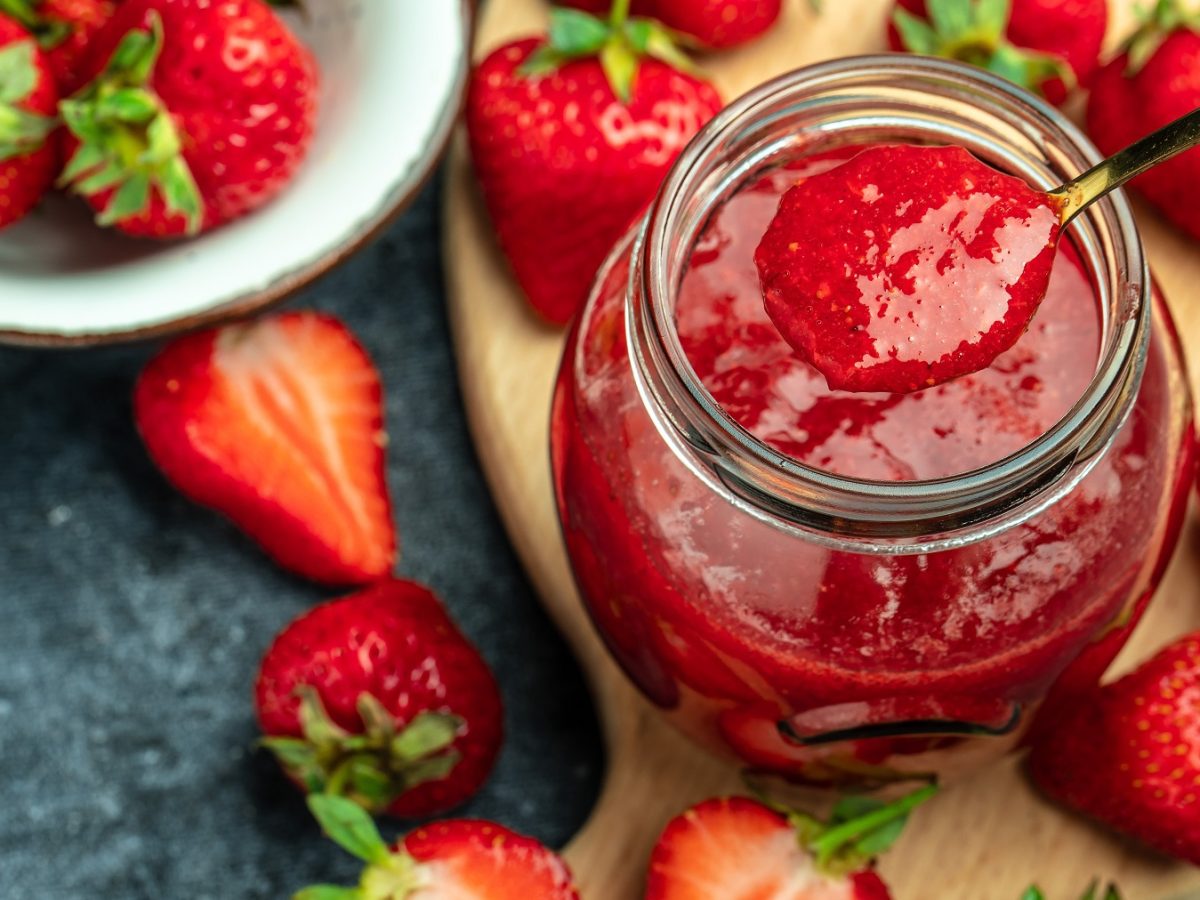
278	424
738	849
906	267
470	859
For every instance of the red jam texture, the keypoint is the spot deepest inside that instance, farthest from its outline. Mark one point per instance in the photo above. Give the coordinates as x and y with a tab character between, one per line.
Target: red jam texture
753	637
907	266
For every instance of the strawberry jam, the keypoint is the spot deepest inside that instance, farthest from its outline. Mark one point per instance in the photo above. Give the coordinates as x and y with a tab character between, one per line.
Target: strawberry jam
807	657
907	266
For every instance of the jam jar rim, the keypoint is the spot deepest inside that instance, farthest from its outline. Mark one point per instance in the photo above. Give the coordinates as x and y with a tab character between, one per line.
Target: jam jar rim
862	514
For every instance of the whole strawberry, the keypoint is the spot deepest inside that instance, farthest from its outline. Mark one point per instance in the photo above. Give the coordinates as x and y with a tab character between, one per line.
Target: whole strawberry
1043	45
28	149
569	150
1129	754
64	29
278	424
1153	82
463	859
717	24
739	849
195	114
378	697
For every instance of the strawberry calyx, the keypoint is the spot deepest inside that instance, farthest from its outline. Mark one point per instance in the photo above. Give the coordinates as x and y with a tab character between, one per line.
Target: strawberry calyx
1110	893
128	140
619	41
48	31
374	767
1156	24
858	830
21	131
975	32
389	875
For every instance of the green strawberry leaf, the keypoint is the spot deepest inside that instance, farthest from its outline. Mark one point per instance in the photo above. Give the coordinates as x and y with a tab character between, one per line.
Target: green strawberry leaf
949	16
349	826
1033	892
915	33
991	16
649	38
134	106
879	841
328	892
620	66
426	734
22	132
575	33
18	71
433	769
855	805
873	828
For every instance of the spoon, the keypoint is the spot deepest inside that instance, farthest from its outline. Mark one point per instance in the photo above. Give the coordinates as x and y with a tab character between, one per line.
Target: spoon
1169	141
908	266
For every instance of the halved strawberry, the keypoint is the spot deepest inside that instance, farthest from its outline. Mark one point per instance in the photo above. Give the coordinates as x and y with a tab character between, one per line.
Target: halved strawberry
462	859
739	849
278	424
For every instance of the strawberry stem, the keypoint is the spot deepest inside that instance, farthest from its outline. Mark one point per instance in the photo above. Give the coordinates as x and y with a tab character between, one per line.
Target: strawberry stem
619	14
388	874
827	845
374	766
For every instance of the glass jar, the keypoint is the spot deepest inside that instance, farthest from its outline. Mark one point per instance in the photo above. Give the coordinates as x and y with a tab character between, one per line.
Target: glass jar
800	612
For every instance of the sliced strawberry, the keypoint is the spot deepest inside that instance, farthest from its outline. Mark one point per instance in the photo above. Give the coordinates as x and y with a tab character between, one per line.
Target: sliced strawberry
462	859
278	425
739	849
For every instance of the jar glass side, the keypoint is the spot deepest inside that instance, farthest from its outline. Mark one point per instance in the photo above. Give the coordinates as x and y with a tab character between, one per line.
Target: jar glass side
823	661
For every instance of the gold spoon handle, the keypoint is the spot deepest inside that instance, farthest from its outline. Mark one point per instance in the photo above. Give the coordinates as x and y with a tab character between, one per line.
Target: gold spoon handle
1171	140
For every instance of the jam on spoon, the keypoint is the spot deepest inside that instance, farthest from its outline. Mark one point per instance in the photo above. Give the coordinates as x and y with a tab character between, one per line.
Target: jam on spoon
910	266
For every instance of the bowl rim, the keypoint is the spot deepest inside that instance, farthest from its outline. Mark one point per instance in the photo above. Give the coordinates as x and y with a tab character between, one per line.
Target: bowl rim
395	202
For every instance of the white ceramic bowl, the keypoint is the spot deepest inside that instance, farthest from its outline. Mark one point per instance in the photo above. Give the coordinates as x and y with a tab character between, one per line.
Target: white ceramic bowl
394	72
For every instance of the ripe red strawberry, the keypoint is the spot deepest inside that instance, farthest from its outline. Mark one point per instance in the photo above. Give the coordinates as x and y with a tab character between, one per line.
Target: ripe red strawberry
711	23
463	859
570	150
380	698
196	114
64	29
278	425
739	849
1129	754
1043	45
1153	82
28	149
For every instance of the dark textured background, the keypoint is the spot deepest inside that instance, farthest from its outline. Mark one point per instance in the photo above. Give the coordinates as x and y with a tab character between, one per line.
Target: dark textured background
132	622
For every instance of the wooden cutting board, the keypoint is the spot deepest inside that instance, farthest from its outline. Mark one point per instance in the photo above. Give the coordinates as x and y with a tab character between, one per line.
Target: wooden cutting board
985	839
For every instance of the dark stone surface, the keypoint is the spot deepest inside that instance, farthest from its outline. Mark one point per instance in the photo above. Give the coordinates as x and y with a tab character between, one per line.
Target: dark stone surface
132	622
